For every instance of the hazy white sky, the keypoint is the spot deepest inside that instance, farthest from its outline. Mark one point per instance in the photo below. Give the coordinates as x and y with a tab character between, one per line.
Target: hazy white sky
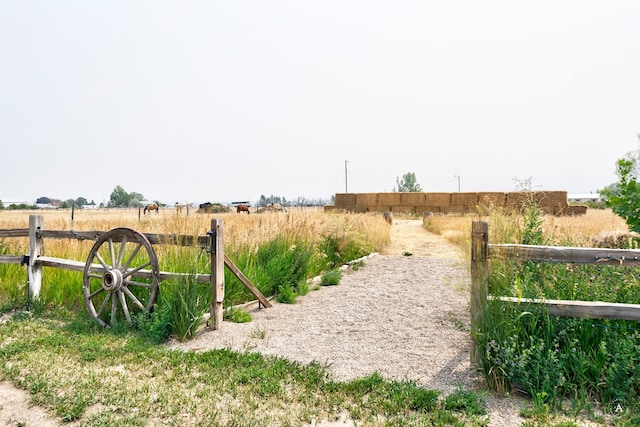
227	100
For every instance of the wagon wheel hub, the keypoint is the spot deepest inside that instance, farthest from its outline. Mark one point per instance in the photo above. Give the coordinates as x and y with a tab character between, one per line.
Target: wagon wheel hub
112	280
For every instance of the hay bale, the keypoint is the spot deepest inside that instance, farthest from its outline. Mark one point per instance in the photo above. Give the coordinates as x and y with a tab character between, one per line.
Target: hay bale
366	199
517	200
344	200
412	199
575	210
381	208
359	209
555	198
405	209
466	200
492	199
390	199
441	200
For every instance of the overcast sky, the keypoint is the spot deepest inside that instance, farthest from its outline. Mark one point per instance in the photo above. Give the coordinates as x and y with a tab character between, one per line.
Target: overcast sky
227	100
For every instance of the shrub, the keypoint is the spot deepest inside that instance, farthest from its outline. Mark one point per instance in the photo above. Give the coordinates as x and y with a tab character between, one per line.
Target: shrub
331	278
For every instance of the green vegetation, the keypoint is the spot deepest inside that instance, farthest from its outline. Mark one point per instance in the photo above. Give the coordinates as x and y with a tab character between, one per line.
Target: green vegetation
115	377
624	198
587	362
408	183
331	278
278	266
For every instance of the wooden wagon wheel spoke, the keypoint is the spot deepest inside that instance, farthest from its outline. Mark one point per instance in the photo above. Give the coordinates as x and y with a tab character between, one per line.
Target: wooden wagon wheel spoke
114	308
126	265
134	283
133	298
121	266
103	305
121	252
112	255
131	272
123	304
102	261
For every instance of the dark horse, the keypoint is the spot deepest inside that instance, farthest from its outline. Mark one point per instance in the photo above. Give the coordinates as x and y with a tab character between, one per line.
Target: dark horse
151	207
242	208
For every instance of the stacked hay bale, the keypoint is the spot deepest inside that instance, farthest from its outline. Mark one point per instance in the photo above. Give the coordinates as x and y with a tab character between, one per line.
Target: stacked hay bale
437	202
550	202
411	203
491	200
344	200
463	202
554	202
364	202
573	210
387	202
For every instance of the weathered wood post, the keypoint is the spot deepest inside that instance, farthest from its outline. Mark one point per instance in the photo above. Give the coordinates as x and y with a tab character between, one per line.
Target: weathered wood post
217	272
479	278
36	245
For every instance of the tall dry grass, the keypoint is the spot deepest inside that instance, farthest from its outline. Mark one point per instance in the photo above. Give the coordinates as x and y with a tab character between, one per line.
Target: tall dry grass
505	227
240	231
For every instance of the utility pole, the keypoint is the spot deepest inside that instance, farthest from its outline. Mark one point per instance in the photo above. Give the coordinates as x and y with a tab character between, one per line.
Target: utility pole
458	176
346	188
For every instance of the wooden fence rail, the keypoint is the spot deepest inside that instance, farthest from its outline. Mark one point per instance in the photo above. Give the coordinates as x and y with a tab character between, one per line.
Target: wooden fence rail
482	251
213	242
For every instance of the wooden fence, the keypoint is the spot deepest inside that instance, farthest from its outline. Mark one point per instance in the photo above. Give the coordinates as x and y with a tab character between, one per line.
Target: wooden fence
213	242
482	251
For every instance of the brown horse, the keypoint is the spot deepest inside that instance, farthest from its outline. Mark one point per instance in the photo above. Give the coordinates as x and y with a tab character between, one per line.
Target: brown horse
151	207
242	208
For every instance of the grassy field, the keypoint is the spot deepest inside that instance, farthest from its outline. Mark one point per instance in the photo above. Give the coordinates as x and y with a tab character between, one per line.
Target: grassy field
122	376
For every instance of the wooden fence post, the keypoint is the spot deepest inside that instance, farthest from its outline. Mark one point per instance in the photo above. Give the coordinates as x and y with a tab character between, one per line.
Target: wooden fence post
34	270
479	278
217	272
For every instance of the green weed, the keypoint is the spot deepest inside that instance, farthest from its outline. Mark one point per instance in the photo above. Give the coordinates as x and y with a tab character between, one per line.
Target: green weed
331	278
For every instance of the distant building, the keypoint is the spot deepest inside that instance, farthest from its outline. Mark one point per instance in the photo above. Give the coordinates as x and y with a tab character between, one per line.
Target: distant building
583	198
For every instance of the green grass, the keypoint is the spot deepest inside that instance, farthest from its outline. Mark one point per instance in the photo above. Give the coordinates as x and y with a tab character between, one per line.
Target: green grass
83	373
331	278
576	366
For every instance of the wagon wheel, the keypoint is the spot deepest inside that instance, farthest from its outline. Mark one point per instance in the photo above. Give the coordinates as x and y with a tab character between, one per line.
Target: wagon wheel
111	292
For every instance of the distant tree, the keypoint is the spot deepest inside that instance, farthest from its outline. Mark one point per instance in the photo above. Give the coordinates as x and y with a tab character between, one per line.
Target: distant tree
1	205
81	201
624	197
408	183
119	198
135	198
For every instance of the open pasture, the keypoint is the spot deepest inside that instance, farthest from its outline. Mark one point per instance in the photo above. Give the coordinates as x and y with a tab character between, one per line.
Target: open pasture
244	235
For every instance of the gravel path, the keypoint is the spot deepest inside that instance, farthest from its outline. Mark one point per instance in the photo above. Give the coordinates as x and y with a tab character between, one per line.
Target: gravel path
406	317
